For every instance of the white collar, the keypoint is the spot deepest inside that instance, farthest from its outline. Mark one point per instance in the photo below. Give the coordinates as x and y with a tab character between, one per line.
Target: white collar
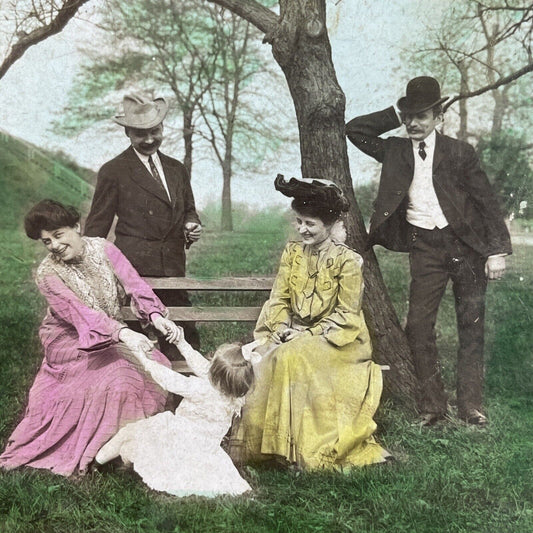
429	140
144	158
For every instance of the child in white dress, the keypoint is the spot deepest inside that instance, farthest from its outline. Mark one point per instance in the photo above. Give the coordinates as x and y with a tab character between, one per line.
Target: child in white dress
180	452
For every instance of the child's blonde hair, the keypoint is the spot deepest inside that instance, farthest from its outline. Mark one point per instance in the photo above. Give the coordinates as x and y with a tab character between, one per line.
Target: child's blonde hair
230	372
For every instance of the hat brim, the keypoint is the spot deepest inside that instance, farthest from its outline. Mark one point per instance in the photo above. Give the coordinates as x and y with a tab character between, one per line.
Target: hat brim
162	110
303	186
404	107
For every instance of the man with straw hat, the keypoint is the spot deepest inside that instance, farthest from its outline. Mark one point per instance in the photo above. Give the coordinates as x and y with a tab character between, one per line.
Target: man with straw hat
151	196
435	202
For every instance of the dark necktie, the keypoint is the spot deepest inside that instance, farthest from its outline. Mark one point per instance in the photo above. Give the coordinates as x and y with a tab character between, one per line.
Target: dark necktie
155	172
421	151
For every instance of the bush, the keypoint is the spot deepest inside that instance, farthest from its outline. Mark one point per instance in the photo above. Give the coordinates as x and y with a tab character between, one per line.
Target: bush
504	159
365	196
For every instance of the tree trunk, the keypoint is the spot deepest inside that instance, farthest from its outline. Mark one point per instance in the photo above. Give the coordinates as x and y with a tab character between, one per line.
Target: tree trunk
302	49
226	222
501	103
462	134
187	140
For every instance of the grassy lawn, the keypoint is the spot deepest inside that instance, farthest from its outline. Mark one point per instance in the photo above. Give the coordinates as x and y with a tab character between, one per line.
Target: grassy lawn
450	478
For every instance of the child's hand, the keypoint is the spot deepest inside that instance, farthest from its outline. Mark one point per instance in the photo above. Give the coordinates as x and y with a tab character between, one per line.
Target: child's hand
169	329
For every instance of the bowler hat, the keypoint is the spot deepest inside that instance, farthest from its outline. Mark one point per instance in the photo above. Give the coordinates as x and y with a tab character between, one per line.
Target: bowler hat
141	112
421	94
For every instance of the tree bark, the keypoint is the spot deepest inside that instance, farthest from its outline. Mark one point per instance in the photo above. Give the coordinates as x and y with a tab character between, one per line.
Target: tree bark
501	103
226	221
187	140
462	134
301	47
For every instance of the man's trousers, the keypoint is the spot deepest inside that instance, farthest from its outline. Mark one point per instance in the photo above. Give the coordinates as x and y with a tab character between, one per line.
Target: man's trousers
435	257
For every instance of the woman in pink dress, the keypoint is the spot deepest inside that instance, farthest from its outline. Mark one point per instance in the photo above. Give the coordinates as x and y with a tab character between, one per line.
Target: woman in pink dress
88	385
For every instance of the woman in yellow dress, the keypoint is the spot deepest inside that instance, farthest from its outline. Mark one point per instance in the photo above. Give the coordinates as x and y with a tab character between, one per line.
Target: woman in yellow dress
317	387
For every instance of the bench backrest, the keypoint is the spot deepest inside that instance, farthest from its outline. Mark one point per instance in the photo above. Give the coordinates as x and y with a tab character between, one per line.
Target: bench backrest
210	313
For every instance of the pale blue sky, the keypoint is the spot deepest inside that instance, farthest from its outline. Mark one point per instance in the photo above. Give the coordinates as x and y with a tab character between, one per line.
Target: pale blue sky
367	40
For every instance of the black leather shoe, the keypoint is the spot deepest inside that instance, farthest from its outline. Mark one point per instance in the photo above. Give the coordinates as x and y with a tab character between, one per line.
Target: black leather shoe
476	418
430	419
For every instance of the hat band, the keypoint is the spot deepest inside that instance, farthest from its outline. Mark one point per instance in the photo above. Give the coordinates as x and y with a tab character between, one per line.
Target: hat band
144	118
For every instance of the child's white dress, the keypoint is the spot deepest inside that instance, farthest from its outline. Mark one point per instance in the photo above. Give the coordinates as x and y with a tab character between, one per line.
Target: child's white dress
180	453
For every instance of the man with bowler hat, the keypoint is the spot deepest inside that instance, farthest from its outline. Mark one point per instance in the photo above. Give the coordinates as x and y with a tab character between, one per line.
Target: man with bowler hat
151	196
435	202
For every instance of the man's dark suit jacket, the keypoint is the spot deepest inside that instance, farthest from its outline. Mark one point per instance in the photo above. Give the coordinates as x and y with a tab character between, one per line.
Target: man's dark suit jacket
463	190
150	227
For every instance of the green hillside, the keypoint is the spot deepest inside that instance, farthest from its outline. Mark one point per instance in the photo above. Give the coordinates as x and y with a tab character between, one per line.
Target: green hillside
28	175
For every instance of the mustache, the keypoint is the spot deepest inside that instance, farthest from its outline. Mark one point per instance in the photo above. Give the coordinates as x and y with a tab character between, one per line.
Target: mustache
150	145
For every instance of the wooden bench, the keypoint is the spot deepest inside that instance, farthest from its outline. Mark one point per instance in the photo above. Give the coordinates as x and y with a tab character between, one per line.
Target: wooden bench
209	313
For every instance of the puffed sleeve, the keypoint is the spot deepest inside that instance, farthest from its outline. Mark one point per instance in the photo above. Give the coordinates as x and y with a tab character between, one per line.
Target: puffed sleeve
346	321
144	302
276	312
95	329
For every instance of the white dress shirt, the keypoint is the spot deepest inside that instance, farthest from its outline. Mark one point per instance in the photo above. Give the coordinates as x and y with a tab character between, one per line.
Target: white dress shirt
158	165
424	210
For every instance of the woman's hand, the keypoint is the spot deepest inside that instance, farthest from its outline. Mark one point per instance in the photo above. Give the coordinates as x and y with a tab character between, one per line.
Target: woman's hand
169	329
289	334
139	344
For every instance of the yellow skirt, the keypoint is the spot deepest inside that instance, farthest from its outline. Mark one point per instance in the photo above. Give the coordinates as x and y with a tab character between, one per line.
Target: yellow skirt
312	404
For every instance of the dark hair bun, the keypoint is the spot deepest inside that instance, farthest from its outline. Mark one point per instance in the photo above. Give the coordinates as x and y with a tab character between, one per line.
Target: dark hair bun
343	204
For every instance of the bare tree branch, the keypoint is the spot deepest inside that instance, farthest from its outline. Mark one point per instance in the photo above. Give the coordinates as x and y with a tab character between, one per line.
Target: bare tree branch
60	18
505	7
507	32
502	81
261	17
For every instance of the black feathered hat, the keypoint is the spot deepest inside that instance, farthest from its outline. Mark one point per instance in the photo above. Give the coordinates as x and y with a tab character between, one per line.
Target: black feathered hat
314	193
